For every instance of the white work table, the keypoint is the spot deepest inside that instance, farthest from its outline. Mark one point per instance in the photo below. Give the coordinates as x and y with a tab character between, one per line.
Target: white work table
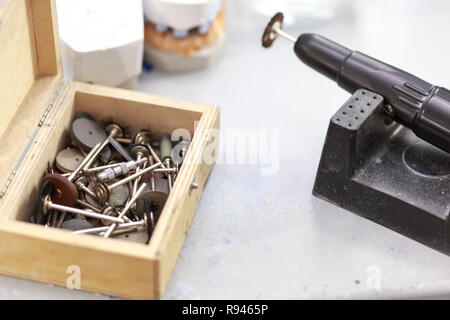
260	236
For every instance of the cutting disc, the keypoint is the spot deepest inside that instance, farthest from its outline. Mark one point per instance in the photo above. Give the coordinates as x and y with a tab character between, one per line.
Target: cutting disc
269	35
68	160
86	133
64	192
76	224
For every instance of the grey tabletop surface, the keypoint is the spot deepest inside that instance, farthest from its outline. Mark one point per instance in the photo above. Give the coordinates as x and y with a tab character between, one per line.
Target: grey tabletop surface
258	232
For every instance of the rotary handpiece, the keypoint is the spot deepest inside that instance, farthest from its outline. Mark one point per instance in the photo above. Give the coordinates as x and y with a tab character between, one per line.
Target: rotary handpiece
418	105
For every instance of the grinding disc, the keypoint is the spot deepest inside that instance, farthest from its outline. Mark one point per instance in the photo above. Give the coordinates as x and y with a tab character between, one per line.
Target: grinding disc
68	160
269	36
64	192
86	133
157	197
119	196
162	185
158	201
76	224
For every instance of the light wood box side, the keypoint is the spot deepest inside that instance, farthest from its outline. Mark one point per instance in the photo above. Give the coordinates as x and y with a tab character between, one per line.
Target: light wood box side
31	70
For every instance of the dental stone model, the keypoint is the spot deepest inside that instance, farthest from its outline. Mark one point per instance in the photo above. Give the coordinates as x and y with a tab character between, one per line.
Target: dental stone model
182	35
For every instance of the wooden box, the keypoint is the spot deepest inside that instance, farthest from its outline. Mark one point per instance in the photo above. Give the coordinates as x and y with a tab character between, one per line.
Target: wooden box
36	109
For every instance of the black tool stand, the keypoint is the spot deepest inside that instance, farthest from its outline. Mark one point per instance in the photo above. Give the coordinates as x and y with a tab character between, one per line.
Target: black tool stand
384	173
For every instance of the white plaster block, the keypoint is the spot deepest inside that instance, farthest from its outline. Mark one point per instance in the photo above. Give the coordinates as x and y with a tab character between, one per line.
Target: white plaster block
102	41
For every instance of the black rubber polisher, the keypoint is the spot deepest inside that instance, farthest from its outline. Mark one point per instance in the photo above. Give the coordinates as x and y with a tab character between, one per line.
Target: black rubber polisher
411	101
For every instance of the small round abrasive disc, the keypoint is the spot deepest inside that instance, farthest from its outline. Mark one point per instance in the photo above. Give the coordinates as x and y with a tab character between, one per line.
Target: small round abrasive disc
68	159
64	192
158	201
162	185
119	196
76	224
86	133
269	35
157	197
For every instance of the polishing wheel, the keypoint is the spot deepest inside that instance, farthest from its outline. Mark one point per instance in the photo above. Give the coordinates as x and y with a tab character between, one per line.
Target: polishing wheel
269	34
64	192
86	133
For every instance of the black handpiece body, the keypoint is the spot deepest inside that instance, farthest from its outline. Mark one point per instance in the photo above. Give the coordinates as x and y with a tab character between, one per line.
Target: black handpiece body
417	104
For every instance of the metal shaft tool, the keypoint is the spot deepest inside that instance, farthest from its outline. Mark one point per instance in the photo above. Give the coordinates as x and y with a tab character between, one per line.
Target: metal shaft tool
418	105
113	226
